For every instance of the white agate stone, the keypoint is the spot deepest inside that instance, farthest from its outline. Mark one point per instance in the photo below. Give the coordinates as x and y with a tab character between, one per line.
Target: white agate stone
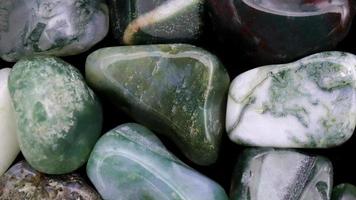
8	140
309	103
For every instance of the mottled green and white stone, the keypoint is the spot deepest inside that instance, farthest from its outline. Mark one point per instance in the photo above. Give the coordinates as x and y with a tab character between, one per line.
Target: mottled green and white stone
177	90
58	117
130	162
9	147
344	192
51	27
262	174
309	103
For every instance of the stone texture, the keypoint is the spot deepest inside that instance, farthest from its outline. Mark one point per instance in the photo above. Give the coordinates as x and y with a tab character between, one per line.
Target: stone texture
344	191
309	103
130	162
177	90
22	182
156	21
9	147
58	117
51	27
280	175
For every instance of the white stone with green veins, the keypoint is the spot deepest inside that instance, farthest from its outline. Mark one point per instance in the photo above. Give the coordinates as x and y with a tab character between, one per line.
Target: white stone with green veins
309	103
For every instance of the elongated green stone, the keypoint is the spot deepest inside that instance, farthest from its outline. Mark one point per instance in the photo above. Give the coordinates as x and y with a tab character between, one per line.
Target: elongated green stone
177	90
262	174
58	116
21	182
344	192
130	162
308	103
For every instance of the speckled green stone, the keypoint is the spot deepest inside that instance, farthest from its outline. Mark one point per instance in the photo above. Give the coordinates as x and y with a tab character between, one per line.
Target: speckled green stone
130	163
21	182
58	116
344	192
177	90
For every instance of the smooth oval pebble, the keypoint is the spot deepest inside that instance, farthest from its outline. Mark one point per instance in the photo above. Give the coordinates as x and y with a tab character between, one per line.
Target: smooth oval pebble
309	103
344	191
130	162
21	182
262	174
177	90
9	147
50	27
58	117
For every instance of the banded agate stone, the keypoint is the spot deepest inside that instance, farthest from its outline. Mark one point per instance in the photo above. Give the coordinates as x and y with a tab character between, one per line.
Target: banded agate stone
8	140
309	103
262	174
177	90
275	31
51	27
344	192
23	182
129	162
156	21
58	116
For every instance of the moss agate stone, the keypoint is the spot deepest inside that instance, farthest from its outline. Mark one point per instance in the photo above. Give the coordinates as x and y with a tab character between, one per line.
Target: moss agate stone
156	21
51	27
8	140
129	162
344	192
262	174
274	31
309	103
21	182
177	90
58	116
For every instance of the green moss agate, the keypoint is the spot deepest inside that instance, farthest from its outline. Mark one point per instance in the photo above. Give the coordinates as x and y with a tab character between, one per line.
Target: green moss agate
344	192
58	116
177	90
129	162
262	174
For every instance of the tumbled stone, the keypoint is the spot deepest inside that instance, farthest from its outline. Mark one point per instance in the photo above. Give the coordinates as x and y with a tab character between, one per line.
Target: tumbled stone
23	182
8	141
58	116
177	90
131	163
344	192
274	31
309	103
156	21
262	174
51	27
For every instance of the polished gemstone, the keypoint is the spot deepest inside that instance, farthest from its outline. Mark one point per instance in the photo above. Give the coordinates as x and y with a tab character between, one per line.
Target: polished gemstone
177	90
344	192
263	174
8	141
51	27
156	21
58	116
309	103
130	162
21	182
274	31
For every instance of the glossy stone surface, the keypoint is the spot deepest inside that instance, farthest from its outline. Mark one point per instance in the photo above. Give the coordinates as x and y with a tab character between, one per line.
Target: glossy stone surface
130	162
177	90
281	174
156	21
58	116
22	182
9	147
344	192
309	103
51	27
274	31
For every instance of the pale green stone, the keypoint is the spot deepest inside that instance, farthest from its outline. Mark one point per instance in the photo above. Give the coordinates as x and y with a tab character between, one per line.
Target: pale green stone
130	163
268	174
344	192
